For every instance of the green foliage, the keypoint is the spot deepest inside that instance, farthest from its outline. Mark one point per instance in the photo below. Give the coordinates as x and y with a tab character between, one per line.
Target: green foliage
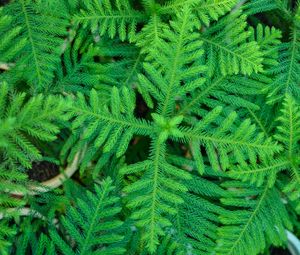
77	74
129	65
267	38
245	143
288	135
160	193
206	10
177	60
93	217
201	205
12	45
259	219
151	36
229	42
6	232
37	245
181	117
41	31
286	73
110	127
253	7
23	121
109	17
11	181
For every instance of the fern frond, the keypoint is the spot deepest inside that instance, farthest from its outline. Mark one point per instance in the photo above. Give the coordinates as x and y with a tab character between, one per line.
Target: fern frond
111	127
253	7
286	73
6	234
264	117
95	216
234	91
74	72
292	187
80	72
206	10
266	172
122	73
268	40
11	44
110	17
228	41
43	32
160	185
259	219
29	241
213	10
168	246
242	142
11	180
289	127
151	36
288	133
196	224
36	118
178	57
260	173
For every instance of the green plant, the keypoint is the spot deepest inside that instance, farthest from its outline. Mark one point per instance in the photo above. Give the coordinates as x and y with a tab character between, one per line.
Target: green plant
185	114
